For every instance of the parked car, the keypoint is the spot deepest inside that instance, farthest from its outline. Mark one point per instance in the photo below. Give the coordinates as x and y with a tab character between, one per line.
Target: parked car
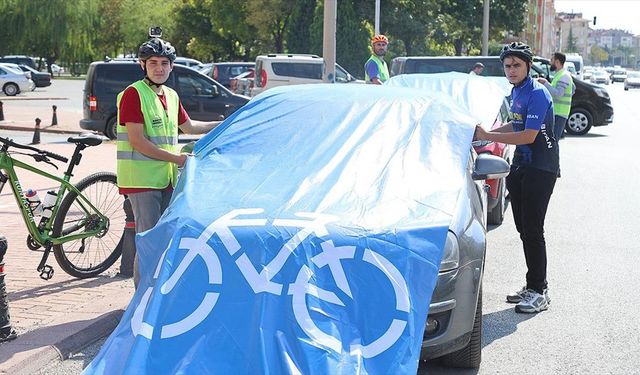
40	79
571	68
485	98
241	83
588	71
19	59
337	219
590	106
632	80
600	76
275	70
202	98
619	75
13	81
222	72
191	63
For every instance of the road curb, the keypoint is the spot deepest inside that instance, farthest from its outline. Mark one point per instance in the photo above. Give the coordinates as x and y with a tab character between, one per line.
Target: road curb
61	350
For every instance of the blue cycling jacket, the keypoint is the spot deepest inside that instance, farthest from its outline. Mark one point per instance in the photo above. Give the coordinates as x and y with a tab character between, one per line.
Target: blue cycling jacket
532	108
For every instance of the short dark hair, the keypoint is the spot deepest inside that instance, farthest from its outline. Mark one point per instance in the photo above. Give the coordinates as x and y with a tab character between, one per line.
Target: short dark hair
560	57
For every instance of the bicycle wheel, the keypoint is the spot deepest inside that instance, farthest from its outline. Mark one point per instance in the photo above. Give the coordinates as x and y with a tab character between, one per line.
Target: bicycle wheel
90	256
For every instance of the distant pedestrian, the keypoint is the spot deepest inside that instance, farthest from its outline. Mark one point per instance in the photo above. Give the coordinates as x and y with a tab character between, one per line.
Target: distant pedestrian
561	89
149	115
375	69
534	170
477	69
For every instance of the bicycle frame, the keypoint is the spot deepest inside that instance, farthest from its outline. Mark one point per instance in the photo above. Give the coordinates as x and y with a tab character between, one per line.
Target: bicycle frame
9	166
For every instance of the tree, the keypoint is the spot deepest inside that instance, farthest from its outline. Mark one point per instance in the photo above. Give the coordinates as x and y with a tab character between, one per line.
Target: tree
598	55
271	20
571	41
299	32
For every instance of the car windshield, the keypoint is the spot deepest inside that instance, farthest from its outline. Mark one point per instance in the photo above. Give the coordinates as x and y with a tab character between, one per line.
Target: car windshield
633	75
620	72
599	73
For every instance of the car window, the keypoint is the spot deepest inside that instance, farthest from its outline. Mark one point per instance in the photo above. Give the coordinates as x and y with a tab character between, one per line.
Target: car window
2	72
196	85
237	70
112	78
462	65
298	70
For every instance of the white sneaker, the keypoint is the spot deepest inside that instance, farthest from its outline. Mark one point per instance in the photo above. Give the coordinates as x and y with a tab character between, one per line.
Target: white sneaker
517	296
532	302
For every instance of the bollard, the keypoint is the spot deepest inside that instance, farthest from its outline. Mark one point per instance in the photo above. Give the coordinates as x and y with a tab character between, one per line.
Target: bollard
128	241
54	120
36	133
1	112
7	333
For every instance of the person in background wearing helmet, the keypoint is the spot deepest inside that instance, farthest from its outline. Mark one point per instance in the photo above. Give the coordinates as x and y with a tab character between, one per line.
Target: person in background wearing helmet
149	115
477	69
534	169
375	69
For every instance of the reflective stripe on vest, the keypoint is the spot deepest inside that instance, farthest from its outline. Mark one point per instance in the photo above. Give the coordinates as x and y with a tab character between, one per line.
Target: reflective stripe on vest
136	170
383	72
562	105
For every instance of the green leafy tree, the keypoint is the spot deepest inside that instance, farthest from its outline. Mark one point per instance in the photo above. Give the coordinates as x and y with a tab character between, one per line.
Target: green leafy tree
598	55
271	20
299	32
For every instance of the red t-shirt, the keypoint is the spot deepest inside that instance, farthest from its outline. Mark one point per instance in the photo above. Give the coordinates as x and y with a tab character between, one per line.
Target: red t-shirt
130	111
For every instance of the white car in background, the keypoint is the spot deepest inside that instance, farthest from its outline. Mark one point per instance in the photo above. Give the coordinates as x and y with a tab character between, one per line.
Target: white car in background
12	81
632	80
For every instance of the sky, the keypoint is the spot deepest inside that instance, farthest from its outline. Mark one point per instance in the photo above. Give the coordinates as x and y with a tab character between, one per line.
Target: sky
611	14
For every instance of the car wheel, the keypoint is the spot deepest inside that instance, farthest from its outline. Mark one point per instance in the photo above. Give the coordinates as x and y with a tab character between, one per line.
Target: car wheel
496	215
11	89
626	88
471	355
579	122
111	130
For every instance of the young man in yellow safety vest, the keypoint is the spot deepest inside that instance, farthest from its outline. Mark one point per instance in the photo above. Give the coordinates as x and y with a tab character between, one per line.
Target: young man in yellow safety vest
375	69
149	115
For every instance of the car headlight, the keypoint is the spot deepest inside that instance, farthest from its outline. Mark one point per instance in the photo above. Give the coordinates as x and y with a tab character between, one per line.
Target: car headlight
601	92
451	254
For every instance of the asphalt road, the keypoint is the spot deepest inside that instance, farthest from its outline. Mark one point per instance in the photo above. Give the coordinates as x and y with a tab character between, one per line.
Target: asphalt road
593	241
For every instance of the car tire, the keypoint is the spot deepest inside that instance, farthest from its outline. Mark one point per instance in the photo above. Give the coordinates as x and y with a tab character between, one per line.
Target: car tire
579	122
496	215
111	130
11	89
626	89
471	355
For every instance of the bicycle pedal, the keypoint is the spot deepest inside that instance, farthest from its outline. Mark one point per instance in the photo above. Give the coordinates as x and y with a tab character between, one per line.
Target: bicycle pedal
46	273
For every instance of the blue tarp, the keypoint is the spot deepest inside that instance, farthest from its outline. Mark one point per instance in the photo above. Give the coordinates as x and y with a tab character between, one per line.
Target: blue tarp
304	237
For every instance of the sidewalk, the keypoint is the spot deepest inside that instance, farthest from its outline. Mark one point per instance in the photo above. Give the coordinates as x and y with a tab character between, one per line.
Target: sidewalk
57	317
20	114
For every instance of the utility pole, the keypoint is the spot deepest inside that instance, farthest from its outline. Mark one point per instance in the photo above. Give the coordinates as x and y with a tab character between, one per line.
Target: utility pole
329	40
377	21
485	28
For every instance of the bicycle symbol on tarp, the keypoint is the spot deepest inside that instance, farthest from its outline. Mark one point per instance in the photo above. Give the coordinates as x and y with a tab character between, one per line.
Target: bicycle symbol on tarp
261	281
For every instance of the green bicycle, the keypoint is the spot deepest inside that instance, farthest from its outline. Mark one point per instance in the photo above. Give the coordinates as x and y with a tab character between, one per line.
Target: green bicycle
86	222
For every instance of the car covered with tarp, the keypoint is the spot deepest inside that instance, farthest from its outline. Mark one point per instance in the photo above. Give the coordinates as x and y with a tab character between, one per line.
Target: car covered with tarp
306	235
483	98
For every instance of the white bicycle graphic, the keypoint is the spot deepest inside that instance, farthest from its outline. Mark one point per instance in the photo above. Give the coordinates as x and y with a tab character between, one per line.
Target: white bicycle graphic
262	281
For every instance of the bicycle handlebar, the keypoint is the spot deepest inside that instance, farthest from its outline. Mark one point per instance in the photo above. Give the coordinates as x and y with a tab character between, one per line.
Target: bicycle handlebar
52	155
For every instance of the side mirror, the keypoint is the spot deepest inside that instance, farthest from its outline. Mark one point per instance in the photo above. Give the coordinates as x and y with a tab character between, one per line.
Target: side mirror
489	167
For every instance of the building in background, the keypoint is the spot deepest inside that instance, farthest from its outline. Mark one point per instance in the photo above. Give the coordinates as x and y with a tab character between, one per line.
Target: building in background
621	47
572	33
540	30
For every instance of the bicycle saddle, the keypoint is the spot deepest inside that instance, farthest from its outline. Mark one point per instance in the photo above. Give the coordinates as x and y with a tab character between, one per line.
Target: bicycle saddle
86	139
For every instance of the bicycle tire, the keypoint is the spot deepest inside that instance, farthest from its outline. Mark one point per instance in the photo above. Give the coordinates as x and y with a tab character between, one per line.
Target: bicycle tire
94	255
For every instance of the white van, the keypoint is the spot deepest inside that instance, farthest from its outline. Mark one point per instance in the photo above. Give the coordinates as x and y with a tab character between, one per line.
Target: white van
577	62
288	69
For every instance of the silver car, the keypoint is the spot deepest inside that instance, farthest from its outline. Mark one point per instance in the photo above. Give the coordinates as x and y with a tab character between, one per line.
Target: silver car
13	81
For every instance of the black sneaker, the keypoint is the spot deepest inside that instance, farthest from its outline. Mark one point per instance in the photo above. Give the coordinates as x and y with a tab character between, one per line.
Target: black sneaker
532	302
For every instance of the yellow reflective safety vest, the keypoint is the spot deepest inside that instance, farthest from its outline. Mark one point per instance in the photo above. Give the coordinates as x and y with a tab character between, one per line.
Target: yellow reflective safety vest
562	105
134	169
383	71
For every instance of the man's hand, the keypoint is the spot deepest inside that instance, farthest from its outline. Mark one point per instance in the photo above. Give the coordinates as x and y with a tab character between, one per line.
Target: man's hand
479	134
543	81
181	159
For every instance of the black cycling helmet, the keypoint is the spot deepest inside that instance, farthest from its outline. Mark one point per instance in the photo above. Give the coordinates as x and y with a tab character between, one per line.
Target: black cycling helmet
519	49
156	47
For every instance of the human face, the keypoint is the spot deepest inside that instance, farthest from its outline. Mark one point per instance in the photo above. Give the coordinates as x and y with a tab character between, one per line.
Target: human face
158	68
515	69
380	48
